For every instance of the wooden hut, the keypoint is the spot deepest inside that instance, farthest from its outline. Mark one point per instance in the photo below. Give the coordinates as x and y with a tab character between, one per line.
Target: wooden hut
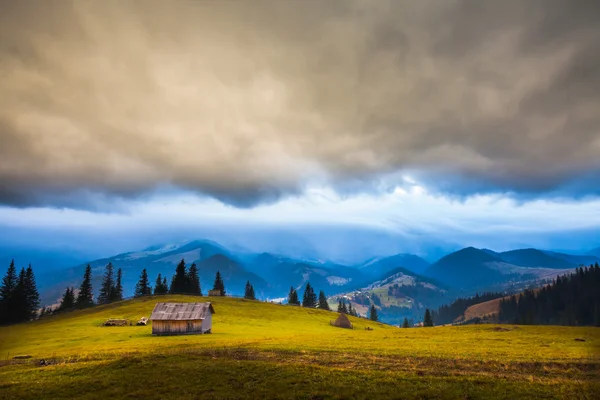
182	318
215	292
342	322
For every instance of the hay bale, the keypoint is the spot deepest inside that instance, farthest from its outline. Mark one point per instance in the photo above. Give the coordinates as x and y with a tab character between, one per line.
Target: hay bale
342	322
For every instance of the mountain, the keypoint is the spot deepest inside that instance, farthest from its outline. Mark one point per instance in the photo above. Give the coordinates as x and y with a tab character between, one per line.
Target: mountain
466	268
399	294
381	266
585	260
534	258
471	269
594	252
233	273
156	259
282	272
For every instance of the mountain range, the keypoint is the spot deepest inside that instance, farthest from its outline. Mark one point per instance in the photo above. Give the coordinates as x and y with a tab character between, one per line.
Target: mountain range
399	282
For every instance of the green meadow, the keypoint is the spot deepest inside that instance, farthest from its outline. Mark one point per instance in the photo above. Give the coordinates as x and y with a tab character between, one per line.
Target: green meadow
262	350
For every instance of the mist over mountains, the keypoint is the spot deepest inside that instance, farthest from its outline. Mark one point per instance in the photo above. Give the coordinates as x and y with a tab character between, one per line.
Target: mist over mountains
402	282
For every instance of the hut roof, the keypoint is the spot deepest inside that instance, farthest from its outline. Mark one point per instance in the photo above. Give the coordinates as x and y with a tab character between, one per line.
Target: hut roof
342	321
181	311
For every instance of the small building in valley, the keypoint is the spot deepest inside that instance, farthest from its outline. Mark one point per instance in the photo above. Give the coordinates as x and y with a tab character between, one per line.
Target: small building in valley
215	292
182	318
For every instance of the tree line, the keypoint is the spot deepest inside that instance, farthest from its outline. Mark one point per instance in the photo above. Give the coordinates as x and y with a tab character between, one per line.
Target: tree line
20	300
19	297
569	300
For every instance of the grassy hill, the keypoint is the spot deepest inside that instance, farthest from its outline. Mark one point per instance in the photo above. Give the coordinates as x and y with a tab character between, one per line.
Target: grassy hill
274	351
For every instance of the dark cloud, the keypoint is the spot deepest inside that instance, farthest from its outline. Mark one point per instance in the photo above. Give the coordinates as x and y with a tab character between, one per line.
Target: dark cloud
248	102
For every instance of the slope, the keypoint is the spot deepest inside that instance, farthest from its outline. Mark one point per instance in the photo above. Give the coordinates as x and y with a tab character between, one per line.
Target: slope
273	351
156	259
533	258
398	294
382	266
282	272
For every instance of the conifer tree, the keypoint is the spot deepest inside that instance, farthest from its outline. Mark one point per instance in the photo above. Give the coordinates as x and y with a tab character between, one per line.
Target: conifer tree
344	307
19	311
143	288
9	283
32	296
373	316
293	297
351	311
340	307
219	284
160	287
118	289
249	292
194	281
107	288
179	281
427	320
405	323
310	298
85	297
68	300
323	305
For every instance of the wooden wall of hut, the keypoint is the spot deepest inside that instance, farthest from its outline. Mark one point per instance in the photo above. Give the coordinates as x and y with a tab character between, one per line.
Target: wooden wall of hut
160	327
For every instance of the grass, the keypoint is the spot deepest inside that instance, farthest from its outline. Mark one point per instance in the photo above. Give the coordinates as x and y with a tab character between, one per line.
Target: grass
273	351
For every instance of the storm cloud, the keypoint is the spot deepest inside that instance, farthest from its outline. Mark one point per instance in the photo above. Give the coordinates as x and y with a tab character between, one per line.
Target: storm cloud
247	102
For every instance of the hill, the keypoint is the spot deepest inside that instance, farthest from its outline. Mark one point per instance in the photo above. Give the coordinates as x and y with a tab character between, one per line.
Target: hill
397	295
470	269
533	258
273	351
466	268
488	309
282	272
379	267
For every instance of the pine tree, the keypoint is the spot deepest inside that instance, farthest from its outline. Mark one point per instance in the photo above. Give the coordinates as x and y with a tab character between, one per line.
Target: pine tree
427	320
344	307
85	297
310	298
351	311
9	283
19	309
32	295
68	300
249	292
194	281
107	288
160	287
143	288
373	316
323	305
219	285
117	293
293	297
405	323
179	281
340	307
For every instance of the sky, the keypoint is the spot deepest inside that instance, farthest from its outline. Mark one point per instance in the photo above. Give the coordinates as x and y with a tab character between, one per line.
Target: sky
343	129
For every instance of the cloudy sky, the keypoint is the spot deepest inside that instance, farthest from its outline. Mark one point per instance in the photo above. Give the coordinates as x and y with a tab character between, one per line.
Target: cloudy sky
458	122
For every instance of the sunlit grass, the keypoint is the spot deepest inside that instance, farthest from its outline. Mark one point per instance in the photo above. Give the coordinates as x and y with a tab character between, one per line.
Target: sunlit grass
285	342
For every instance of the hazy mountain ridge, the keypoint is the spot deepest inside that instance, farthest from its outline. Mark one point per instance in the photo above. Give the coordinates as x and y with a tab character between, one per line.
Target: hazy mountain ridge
468	269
